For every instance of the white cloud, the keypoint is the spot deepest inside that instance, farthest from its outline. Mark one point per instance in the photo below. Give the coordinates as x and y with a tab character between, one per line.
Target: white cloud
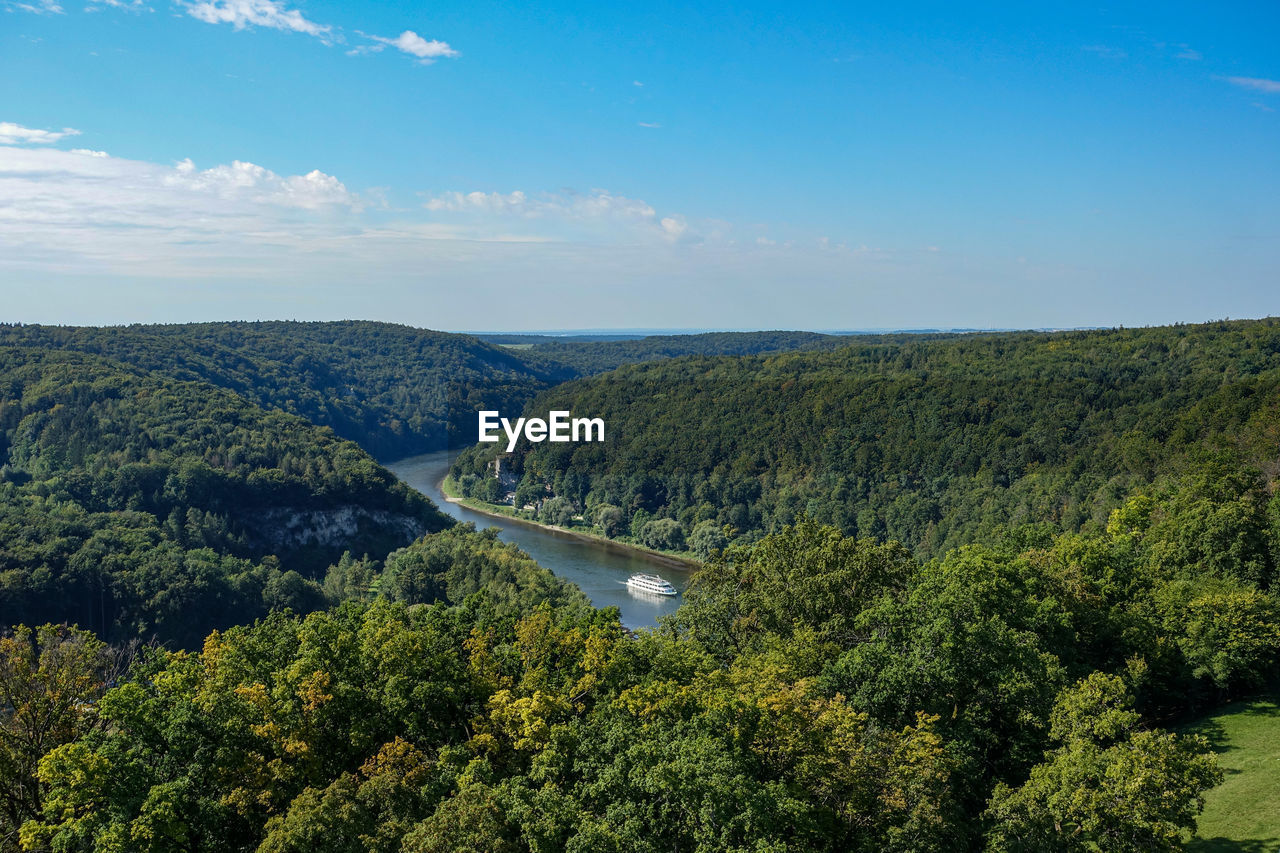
275	14
1271	87
126	5
38	7
597	204
636	83
427	51
90	212
595	217
254	13
648	124
16	134
91	188
1189	53
673	226
89	237
254	183
89	216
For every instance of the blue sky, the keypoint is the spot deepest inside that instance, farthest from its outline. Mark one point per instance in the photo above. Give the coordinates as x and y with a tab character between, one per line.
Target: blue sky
566	165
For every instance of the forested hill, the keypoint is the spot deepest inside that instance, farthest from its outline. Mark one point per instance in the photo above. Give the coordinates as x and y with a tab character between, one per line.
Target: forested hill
395	390
932	442
138	505
814	691
585	358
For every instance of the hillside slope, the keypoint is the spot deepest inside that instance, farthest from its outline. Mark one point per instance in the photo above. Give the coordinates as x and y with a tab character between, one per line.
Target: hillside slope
395	390
586	358
143	506
931	442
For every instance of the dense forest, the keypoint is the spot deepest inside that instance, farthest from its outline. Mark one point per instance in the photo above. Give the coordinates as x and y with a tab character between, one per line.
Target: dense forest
394	390
934	442
585	358
816	692
232	630
145	507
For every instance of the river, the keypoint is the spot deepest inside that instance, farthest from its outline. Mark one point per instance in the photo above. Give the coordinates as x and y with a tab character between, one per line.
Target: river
600	569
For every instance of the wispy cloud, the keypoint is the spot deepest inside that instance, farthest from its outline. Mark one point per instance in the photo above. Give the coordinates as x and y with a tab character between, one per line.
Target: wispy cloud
1106	51
597	203
1189	53
37	7
168	236
243	14
591	216
87	210
1259	84
276	14
648	124
126	5
427	51
16	134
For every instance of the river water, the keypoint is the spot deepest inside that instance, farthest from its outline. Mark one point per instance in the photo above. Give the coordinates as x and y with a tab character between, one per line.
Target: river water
600	569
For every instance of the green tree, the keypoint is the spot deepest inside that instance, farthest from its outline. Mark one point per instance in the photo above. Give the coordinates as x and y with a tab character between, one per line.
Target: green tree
665	534
1108	786
707	538
50	679
609	519
557	511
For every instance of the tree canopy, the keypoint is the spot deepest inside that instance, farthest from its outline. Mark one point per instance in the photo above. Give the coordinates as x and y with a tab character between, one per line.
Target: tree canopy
932	441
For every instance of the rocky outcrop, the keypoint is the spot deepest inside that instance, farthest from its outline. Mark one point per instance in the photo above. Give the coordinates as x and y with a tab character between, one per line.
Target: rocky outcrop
287	528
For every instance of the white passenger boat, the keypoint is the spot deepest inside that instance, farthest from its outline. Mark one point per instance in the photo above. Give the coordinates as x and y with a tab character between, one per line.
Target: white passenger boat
651	584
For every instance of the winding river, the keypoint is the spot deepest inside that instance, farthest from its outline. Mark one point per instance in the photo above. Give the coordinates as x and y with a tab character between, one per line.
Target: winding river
600	569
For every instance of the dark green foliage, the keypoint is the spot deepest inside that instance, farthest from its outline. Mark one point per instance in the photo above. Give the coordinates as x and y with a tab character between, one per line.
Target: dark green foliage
935	442
459	562
664	534
810	577
707	538
964	641
395	390
140	506
1108	786
816	693
586	358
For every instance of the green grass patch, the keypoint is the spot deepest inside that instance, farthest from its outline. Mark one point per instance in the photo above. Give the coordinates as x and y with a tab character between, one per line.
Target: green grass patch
1242	815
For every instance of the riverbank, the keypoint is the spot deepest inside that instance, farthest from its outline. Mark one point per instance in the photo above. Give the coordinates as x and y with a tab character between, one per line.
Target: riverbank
599	568
448	488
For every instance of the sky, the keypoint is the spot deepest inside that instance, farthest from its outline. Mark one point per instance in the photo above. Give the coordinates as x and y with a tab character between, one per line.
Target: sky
563	165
